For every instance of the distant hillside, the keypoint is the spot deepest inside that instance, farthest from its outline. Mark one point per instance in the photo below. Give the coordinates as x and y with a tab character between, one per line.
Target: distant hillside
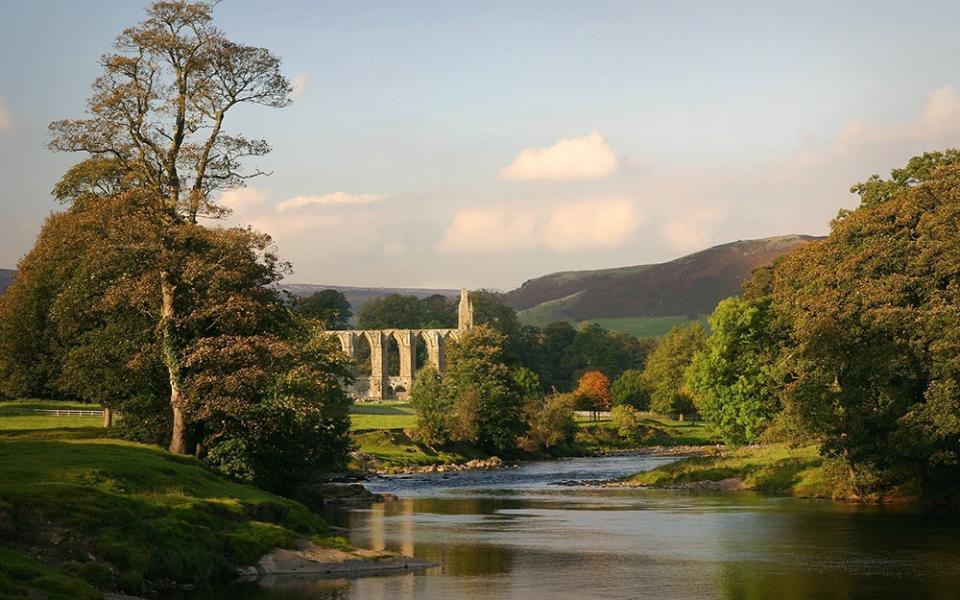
6	278
358	296
667	293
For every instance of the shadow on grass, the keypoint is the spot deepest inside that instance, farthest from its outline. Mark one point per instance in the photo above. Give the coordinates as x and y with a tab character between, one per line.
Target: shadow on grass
54	433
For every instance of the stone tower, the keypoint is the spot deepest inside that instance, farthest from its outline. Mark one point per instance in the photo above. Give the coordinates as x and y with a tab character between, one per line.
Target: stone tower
465	312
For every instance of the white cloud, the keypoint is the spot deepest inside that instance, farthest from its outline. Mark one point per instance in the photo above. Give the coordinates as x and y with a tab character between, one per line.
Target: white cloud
591	225
939	120
328	200
394	249
299	82
598	224
242	198
586	157
488	230
6	117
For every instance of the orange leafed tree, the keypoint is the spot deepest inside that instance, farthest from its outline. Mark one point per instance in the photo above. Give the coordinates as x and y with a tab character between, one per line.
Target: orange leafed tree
594	389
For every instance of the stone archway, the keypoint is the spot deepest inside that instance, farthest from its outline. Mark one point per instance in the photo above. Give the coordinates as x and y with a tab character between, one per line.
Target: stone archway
379	382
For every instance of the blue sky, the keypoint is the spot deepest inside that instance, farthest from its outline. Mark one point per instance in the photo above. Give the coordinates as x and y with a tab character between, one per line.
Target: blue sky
479	144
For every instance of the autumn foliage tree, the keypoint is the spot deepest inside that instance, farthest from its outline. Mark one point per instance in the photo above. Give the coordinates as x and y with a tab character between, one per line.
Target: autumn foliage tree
593	391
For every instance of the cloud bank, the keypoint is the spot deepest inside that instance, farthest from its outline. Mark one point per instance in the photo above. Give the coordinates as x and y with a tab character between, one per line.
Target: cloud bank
328	200
580	225
587	157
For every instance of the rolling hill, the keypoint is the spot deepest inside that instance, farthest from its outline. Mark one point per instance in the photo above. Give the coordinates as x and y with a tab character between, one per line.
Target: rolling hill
644	300
648	299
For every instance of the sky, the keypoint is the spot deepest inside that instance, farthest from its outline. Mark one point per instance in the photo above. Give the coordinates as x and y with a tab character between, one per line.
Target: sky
480	144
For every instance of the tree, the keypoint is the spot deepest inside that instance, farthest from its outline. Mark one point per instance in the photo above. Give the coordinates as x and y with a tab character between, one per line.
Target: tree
330	307
666	366
432	408
874	359
391	311
556	339
158	110
294	428
733	379
593	390
438	312
631	389
485	397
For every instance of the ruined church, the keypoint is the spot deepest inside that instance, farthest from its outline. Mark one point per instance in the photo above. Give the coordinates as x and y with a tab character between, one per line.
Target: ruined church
381	384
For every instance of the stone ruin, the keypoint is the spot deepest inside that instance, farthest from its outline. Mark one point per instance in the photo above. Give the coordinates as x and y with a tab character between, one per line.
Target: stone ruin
379	385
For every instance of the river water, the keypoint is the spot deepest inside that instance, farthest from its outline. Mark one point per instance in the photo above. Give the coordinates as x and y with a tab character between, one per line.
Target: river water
510	534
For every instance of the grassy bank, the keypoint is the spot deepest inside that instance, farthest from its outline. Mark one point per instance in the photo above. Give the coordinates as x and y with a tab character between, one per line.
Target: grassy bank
383	436
600	436
79	512
774	468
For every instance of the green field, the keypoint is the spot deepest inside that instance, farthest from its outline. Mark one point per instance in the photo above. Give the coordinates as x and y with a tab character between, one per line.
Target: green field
645	326
546	313
17	416
110	514
386	415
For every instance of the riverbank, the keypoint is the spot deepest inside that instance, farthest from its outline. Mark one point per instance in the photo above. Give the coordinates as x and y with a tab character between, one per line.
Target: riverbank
774	468
82	515
393	449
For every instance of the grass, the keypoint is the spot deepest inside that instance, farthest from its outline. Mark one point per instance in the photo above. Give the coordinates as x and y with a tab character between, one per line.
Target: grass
656	431
645	326
15	416
772	468
23	577
118	514
388	415
394	449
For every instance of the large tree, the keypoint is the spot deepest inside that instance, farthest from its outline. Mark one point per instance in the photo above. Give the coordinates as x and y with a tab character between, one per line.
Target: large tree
734	378
158	112
486	399
666	367
329	307
875	308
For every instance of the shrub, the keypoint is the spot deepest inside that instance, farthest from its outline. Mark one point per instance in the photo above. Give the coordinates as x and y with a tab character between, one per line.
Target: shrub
551	423
626	420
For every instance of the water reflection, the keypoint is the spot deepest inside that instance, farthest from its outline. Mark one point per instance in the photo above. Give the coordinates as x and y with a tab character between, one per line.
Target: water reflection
509	534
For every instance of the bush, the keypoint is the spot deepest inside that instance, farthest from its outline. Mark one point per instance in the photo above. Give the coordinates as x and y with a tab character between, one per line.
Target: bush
551	423
626	420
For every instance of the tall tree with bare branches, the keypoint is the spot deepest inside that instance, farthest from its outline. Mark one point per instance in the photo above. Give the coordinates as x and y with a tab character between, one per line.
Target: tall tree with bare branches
158	111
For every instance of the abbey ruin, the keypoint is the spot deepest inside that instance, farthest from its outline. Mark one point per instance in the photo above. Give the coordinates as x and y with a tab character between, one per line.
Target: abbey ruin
379	385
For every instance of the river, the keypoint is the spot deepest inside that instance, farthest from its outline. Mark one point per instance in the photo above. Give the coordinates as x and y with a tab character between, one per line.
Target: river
508	533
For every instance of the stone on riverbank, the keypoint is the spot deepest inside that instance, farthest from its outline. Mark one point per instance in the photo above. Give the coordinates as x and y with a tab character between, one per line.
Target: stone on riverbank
306	558
321	495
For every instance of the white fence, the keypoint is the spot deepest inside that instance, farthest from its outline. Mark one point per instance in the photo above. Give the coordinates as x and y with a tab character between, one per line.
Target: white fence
59	412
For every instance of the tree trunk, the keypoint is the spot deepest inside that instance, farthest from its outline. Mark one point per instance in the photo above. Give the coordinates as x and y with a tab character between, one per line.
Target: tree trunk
107	417
171	359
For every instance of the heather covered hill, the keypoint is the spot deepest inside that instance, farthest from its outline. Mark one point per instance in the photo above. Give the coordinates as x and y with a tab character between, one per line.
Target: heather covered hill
690	286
